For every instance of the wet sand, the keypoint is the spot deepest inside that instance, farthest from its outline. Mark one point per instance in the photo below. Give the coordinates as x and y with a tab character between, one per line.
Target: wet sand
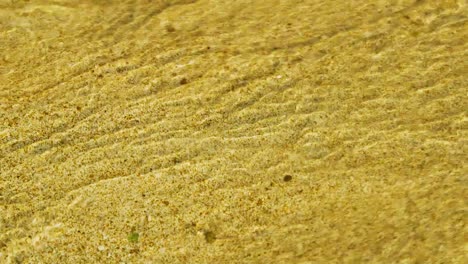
218	131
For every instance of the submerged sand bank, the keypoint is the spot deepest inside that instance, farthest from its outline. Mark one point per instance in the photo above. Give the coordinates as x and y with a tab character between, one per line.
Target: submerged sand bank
218	131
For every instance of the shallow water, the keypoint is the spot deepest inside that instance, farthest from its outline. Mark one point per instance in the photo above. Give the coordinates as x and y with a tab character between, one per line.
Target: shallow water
232	131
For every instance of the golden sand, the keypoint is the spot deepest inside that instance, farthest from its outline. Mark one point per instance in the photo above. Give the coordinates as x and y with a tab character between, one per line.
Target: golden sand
233	131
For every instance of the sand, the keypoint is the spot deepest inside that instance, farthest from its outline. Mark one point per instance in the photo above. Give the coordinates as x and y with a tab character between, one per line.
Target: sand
247	131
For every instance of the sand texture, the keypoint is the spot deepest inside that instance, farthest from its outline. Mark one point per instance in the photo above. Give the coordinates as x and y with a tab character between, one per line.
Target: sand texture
233	131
